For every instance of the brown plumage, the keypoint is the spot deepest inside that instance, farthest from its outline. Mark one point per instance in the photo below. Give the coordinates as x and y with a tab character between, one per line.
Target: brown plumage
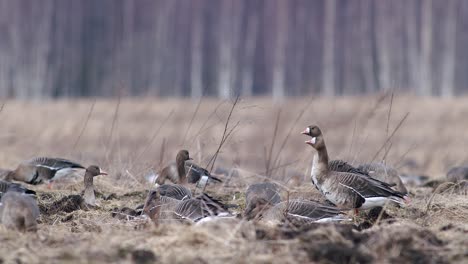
384	173
40	170
88	194
346	189
259	196
457	174
162	208
183	171
19	212
13	187
300	212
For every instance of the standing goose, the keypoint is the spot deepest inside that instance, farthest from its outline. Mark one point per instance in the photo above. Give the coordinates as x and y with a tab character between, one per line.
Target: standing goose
42	169
19	211
13	187
337	165
384	173
346	189
183	171
88	193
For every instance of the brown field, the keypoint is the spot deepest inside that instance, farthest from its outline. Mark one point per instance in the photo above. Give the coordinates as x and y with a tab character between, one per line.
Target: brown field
127	138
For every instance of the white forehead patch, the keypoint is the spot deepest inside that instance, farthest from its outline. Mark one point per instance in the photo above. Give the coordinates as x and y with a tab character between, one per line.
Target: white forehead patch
308	130
313	140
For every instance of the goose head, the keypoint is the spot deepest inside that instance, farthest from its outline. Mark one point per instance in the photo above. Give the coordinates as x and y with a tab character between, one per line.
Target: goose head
152	204
182	156
315	133
94	170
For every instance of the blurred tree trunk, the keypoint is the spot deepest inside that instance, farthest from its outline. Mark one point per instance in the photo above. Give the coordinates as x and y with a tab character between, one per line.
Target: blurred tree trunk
196	68
450	40
383	24
425	79
328	68
279	49
250	43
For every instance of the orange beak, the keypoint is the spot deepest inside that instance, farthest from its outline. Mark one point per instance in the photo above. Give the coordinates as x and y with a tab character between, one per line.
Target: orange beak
305	132
102	172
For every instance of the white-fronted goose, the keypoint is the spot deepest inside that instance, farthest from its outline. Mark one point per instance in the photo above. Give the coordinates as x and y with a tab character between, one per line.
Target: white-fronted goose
176	191
13	187
19	211
298	212
159	208
42	169
259	196
346	189
384	173
457	174
183	171
88	194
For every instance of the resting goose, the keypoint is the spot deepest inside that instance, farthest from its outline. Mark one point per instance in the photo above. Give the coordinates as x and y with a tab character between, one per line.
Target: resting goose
183	171
457	174
346	189
74	202
19	211
158	207
384	173
258	196
297	212
42	169
13	187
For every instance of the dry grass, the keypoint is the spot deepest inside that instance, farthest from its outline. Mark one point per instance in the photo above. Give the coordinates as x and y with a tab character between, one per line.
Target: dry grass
127	141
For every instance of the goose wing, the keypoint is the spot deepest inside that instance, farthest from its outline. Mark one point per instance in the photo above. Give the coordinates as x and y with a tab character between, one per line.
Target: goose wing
175	191
195	172
343	166
42	168
366	187
14	187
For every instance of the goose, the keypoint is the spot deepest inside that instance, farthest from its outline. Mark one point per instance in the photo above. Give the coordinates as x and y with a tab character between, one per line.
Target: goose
19	211
385	174
41	169
346	189
74	202
158	207
259	196
457	174
297	212
6	186
183	171
88	194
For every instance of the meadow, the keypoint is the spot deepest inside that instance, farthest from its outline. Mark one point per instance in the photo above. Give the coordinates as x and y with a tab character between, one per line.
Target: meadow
258	139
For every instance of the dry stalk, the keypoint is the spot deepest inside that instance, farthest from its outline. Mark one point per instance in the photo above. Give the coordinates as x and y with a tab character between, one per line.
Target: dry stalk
273	139
114	122
191	122
225	136
84	125
391	135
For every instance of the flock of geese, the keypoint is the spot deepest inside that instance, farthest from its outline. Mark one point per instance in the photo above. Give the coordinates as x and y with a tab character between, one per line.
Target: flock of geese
345	188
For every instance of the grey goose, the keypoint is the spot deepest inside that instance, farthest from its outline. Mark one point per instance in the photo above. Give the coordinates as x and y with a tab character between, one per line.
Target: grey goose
346	189
258	196
385	173
41	169
263	202
161	208
184	170
19	211
6	186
